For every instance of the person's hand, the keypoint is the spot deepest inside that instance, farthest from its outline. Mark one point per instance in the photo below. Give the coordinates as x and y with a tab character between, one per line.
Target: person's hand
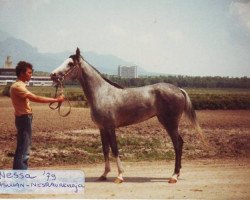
60	98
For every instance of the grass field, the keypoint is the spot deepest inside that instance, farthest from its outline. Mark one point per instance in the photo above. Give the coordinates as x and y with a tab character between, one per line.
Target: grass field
218	98
202	98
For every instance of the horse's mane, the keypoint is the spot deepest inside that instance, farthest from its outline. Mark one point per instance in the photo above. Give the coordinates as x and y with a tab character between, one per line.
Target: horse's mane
104	78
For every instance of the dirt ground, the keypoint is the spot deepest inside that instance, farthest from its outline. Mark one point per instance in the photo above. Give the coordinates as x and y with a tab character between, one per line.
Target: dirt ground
200	179
220	172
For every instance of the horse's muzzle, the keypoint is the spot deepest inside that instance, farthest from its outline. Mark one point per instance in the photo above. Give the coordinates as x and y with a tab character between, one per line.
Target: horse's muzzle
55	78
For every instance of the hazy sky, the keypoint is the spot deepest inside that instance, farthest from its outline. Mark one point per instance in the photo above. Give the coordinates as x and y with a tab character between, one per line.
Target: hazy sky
191	37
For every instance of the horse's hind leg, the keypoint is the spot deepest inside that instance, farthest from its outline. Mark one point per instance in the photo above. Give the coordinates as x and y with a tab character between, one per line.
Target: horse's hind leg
105	149
171	125
114	149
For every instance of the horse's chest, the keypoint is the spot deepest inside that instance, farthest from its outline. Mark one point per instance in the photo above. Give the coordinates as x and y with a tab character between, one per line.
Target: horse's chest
102	117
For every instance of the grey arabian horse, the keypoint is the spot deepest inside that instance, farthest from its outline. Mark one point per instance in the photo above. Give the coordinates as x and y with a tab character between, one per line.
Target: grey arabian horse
113	106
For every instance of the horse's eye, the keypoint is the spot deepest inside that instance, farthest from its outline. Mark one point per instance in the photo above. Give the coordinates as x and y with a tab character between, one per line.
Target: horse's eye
71	64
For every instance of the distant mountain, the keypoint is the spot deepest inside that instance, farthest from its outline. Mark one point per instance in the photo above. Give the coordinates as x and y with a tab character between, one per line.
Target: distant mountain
20	50
108	64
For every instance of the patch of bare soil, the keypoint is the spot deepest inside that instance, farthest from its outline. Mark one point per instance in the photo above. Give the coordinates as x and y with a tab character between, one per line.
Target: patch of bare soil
200	179
57	139
74	142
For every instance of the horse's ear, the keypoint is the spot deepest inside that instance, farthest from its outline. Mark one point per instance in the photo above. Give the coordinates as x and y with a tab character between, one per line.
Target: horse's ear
78	52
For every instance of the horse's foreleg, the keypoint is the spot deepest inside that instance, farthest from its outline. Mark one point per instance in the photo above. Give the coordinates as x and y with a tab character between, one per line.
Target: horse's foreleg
105	149
120	170
114	148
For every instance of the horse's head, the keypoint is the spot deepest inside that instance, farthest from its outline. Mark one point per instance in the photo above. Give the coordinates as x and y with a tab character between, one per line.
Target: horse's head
68	69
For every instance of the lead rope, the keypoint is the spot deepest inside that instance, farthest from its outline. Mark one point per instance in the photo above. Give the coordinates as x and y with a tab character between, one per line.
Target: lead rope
59	104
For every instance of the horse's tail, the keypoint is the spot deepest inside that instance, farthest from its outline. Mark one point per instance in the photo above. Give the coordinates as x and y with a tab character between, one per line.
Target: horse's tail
191	115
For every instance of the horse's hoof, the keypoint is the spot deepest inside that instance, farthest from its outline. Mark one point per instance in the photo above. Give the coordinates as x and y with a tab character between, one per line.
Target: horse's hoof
172	180
118	181
102	178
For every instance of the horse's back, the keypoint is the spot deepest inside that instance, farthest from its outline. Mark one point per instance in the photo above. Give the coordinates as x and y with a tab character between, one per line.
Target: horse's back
165	93
163	98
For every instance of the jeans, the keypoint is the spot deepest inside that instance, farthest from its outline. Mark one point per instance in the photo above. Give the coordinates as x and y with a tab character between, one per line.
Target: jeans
24	133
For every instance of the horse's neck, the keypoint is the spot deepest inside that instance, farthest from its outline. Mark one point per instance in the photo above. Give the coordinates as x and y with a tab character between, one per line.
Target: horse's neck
90	81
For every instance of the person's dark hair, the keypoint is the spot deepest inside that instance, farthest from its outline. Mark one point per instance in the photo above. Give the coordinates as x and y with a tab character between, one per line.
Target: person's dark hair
22	67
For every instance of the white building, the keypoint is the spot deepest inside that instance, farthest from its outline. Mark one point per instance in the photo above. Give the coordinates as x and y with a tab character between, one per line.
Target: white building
8	63
35	80
127	72
8	76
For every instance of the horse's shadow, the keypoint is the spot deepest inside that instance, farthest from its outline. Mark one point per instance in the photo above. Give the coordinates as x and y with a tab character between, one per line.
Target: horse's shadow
128	179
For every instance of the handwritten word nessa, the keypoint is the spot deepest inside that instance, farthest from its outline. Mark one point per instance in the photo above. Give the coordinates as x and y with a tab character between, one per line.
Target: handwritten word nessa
41	181
16	175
